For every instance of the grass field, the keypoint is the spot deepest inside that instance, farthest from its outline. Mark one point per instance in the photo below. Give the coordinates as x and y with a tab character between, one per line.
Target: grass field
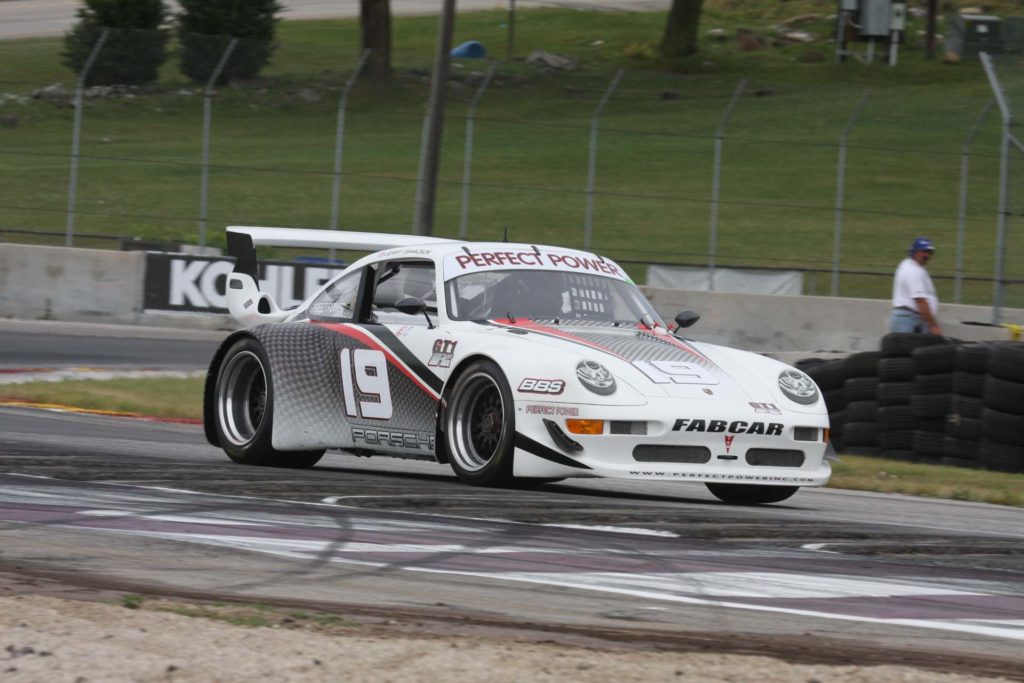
273	146
182	398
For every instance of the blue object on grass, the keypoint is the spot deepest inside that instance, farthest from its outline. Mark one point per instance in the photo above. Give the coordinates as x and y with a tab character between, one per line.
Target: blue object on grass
471	49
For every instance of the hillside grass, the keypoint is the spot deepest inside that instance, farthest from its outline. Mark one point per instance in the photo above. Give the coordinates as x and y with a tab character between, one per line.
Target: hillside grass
183	398
273	146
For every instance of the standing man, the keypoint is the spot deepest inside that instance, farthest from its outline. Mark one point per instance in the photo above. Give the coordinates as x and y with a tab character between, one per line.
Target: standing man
914	302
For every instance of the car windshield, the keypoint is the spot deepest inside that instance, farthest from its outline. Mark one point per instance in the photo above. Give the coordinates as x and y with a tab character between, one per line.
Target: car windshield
547	295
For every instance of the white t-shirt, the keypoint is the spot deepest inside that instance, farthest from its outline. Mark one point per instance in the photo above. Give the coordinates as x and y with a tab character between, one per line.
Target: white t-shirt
913	282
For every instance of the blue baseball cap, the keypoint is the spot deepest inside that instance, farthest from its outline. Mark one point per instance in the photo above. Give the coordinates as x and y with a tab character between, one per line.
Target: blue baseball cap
922	244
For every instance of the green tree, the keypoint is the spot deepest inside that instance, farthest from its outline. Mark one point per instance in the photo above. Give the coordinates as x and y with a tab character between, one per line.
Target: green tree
136	45
206	27
680	39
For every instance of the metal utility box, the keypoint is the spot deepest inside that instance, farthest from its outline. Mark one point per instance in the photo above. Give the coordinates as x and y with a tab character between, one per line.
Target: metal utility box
1013	35
875	18
969	34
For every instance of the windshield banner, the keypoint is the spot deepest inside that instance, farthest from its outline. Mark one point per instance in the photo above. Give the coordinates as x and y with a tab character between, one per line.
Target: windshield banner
474	261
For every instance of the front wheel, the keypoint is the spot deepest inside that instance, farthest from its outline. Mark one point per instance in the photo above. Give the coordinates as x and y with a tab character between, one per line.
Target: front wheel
480	426
751	494
245	407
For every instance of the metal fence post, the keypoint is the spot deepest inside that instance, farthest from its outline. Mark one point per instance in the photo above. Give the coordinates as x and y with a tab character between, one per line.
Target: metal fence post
961	228
1004	183
207	105
716	182
339	141
69	230
588	224
511	43
467	163
840	189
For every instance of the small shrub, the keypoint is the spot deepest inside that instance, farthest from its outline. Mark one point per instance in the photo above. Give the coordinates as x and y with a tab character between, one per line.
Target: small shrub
135	48
206	27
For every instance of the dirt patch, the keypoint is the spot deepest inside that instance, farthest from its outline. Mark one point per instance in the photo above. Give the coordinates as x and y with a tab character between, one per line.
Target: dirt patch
54	631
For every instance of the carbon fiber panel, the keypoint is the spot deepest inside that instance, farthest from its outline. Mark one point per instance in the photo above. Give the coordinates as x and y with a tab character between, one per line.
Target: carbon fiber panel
309	407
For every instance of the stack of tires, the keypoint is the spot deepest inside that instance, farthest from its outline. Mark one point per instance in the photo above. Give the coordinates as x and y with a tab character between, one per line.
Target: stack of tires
963	423
1002	419
896	375
829	376
860	432
930	404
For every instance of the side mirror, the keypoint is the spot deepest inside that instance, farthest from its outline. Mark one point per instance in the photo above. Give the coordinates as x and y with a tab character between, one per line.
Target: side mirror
248	305
410	305
686	319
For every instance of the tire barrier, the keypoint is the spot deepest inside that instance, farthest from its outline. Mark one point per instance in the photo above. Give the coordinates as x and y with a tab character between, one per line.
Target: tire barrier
928	399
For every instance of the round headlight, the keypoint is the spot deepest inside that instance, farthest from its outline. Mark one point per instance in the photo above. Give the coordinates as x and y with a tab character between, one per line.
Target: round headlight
595	377
798	387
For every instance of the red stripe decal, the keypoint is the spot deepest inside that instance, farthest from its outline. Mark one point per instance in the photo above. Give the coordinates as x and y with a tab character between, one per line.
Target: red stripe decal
542	329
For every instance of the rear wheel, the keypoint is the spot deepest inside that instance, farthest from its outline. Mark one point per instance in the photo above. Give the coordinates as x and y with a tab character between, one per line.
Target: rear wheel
751	494
245	408
480	426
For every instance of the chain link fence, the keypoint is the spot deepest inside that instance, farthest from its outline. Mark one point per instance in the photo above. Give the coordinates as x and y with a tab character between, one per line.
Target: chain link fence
831	179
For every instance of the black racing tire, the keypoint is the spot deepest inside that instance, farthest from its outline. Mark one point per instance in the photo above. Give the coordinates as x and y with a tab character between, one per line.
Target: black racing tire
863	364
861	411
930	405
829	375
1001	456
896	417
895	393
1004	395
896	440
244	410
750	494
963	428
1003	427
835	400
929	444
967	406
1007	361
933	360
973	357
480	426
896	369
856	434
897	344
934	384
860	389
960	450
969	384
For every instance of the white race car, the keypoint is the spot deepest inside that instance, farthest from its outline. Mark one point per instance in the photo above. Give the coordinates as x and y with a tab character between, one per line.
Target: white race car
511	362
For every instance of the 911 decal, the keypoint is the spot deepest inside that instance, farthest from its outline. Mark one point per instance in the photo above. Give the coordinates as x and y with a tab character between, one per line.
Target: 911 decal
531	385
674	372
369	369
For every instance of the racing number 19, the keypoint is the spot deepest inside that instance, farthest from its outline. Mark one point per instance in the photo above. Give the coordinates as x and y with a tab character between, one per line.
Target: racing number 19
371	378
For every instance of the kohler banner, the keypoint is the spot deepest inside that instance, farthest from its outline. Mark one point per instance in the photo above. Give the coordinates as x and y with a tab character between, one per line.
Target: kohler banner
182	282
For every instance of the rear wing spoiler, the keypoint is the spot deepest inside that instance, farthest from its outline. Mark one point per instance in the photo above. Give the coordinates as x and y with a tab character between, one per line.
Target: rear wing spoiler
245	301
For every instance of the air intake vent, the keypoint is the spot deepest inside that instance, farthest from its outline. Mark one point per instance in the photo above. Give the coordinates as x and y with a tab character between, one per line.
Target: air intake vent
774	457
682	454
805	434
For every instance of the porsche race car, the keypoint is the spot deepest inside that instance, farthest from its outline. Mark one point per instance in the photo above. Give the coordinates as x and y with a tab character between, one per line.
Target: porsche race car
513	363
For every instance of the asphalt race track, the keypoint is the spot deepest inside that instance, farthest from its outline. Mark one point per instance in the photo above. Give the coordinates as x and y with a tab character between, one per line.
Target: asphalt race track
829	576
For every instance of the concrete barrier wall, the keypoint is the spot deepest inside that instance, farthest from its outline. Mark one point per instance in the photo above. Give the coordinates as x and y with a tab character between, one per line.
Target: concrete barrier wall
92	285
70	284
809	323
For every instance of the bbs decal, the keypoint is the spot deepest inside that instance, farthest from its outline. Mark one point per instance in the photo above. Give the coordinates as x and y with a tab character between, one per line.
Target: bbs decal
367	371
532	385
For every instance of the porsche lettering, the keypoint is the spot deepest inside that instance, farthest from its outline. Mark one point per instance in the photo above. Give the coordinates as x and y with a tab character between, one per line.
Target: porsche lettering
723	426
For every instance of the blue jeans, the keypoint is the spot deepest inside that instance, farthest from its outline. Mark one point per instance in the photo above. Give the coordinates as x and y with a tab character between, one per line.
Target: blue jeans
906	321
